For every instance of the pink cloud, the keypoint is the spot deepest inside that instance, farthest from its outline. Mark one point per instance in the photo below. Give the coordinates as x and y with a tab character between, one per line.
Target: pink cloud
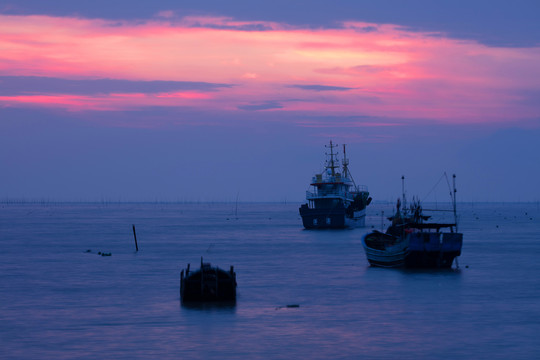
185	95
393	72
113	101
41	99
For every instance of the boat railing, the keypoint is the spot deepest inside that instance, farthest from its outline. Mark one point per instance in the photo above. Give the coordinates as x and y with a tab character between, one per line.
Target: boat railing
360	188
311	195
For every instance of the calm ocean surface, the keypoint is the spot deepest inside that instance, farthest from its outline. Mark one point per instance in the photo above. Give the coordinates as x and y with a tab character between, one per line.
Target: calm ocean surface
57	301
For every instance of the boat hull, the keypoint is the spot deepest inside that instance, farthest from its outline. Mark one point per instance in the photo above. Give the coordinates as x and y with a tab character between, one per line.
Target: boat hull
414	250
336	218
433	249
384	250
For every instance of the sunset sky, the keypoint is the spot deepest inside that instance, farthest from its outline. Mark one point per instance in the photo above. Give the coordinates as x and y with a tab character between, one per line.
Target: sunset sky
206	101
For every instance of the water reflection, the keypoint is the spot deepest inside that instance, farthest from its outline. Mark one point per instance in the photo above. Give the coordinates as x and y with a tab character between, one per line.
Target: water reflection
210	307
440	271
405	270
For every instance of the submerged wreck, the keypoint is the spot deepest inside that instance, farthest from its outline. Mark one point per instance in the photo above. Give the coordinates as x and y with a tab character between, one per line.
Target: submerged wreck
208	284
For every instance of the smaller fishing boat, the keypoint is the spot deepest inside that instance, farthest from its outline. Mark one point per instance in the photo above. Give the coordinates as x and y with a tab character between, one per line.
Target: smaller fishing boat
208	284
413	242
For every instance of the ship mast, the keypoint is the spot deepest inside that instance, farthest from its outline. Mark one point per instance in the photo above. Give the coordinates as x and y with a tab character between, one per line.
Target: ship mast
345	163
346	172
403	191
332	162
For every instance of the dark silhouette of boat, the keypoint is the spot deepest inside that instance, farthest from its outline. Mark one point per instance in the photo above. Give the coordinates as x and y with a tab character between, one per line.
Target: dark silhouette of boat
208	284
413	242
335	201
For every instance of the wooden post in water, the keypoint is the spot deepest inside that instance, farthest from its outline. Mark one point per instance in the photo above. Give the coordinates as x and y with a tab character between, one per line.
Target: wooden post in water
135	236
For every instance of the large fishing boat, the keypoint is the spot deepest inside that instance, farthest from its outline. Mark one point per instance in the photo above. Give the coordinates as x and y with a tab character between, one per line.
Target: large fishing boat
334	200
413	242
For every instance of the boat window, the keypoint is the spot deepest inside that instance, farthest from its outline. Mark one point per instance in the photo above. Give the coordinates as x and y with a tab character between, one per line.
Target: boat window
328	221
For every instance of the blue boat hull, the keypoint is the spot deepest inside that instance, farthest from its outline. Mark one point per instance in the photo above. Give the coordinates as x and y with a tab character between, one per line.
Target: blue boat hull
430	250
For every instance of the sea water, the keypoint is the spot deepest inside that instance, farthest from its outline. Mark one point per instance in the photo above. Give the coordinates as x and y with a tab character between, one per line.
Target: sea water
59	298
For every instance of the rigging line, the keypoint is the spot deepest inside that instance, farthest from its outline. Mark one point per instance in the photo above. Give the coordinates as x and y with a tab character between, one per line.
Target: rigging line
449	187
354	183
437	184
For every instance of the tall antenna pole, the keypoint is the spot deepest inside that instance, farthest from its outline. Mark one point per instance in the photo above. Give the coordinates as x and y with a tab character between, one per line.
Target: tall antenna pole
454	198
345	163
403	190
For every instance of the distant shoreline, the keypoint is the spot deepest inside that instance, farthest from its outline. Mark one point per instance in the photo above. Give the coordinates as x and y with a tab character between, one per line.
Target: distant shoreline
205	202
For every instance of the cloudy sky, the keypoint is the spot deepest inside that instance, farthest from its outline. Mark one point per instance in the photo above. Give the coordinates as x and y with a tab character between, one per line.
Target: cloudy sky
210	100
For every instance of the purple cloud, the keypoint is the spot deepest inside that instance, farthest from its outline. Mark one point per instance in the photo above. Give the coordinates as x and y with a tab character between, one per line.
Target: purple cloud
267	105
322	87
25	85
